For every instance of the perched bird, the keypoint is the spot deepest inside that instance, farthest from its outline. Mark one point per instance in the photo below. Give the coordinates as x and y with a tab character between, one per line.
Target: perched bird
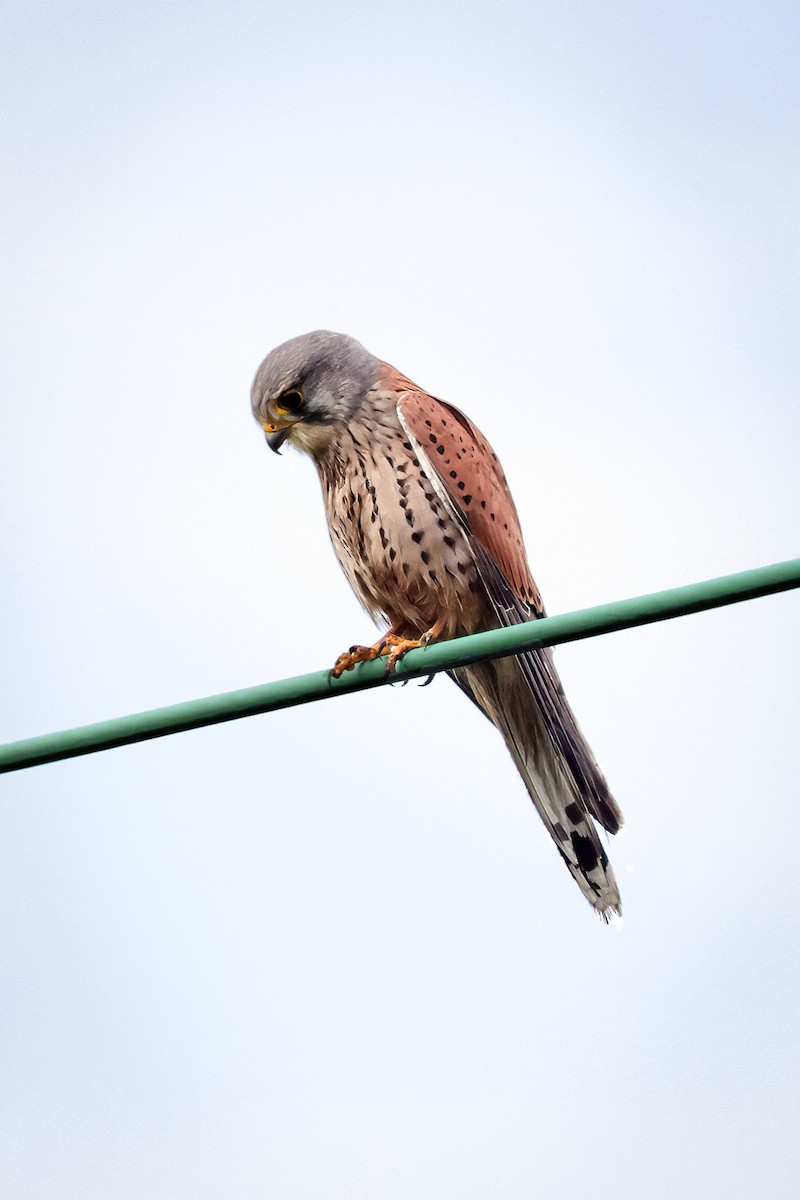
424	526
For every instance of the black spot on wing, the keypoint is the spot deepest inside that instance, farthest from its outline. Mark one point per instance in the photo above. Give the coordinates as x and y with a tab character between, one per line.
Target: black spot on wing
459	416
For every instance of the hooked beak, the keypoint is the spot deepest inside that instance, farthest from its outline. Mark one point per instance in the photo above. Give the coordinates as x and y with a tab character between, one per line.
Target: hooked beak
276	435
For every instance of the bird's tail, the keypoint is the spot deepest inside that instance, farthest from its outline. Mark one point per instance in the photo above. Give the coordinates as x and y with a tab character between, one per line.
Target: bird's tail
556	764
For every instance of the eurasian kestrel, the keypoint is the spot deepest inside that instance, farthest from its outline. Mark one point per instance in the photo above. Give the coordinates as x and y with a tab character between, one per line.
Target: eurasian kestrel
423	523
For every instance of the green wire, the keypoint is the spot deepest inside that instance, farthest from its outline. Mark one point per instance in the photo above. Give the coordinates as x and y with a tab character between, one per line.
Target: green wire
304	689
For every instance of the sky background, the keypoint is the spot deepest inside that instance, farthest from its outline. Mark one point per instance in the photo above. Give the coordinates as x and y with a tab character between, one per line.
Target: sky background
331	953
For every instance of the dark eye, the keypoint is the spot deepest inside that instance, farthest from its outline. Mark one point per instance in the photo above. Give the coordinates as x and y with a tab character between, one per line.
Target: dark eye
290	402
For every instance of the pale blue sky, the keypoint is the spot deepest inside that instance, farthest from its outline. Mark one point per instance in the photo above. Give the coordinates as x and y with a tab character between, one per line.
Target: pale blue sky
330	953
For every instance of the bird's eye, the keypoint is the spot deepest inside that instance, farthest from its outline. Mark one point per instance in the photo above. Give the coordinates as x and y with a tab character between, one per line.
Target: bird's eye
289	402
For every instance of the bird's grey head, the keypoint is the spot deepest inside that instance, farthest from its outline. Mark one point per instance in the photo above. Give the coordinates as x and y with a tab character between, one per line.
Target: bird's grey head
306	386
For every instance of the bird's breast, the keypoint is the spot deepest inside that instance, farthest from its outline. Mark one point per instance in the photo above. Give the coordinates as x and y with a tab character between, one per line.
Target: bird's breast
404	555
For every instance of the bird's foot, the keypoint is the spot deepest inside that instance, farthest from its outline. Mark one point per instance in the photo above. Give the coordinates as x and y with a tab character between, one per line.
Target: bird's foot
356	654
395	647
359	654
392	646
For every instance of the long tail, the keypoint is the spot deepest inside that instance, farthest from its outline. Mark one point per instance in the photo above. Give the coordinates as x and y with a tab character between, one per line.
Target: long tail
526	703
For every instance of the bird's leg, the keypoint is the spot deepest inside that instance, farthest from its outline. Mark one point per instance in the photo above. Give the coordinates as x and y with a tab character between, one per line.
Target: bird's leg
396	646
358	654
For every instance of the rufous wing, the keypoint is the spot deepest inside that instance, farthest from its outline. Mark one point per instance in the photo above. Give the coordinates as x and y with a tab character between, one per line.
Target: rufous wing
470	473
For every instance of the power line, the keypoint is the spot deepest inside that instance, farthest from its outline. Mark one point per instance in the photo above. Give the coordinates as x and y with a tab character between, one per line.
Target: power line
495	643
